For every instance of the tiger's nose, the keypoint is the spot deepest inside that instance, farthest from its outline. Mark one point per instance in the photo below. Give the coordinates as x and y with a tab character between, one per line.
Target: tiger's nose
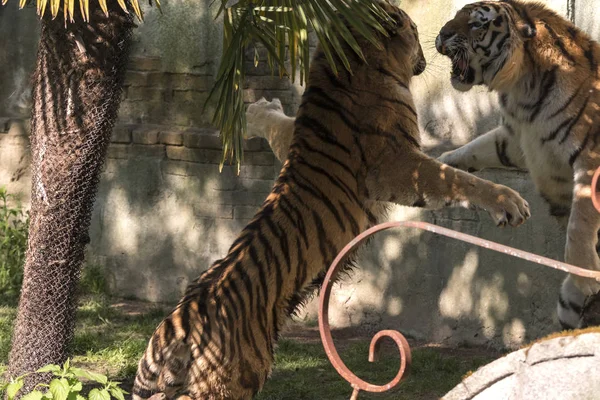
440	41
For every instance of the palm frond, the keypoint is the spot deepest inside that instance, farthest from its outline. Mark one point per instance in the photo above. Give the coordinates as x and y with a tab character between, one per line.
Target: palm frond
281	27
68	7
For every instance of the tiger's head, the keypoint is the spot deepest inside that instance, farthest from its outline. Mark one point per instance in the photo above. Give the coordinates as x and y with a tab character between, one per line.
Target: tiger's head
486	43
402	39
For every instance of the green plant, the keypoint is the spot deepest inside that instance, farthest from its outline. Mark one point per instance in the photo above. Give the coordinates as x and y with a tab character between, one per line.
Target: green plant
66	385
93	280
14	226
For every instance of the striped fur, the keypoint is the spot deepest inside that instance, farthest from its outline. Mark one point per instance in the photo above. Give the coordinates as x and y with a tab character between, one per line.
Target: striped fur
356	141
546	72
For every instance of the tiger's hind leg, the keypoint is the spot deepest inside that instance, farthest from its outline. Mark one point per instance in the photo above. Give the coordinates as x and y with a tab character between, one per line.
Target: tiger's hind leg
580	249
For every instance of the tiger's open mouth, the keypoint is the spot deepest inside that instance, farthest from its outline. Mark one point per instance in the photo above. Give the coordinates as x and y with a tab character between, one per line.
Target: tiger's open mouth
461	71
462	75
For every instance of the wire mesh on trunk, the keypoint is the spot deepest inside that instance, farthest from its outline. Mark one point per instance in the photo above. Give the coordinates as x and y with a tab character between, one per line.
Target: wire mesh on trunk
77	87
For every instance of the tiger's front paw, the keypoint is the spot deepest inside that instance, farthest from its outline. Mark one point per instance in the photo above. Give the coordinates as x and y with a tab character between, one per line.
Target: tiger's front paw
456	159
506	206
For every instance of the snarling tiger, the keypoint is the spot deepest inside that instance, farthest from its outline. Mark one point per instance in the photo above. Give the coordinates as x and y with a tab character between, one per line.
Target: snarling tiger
356	143
546	72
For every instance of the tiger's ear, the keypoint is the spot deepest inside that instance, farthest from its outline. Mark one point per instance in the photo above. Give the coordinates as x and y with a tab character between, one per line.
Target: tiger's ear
526	30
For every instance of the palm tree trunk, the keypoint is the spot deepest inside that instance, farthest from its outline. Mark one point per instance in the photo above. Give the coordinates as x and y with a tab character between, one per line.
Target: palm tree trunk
77	87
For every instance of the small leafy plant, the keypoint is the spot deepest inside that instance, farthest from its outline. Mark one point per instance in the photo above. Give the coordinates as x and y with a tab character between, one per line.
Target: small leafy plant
14	225
66	385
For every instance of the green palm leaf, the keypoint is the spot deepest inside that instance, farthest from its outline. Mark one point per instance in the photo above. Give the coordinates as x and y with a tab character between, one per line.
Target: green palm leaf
68	7
281	27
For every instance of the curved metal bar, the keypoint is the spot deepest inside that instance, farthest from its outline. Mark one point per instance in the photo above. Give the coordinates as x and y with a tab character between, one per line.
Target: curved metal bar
595	199
325	330
357	383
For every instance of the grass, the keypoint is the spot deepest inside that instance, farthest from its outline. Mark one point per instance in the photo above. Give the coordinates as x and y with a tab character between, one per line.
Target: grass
304	372
111	341
106	340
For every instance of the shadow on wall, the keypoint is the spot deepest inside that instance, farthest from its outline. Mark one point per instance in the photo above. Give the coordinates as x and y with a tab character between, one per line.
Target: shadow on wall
158	223
19	33
161	219
148	228
436	288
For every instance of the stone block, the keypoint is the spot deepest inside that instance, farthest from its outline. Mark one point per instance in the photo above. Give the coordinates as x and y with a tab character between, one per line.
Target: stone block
136	78
202	139
259	158
191	82
146	94
256	144
120	151
171	167
177	118
204	156
211	209
244	212
225	180
121	134
200	118
257	172
152	151
131	112
158	79
190	96
255	185
243	198
174	138
145	64
145	135
267	82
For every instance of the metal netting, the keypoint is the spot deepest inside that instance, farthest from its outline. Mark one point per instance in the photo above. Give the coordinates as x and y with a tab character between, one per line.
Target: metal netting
76	93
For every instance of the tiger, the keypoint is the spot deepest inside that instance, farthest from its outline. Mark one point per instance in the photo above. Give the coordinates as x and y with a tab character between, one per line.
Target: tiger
355	143
546	73
267	119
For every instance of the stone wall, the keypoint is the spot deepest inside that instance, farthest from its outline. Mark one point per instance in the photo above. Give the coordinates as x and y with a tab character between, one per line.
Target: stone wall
164	213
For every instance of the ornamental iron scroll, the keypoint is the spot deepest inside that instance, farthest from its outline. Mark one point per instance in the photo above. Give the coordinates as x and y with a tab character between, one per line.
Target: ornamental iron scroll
403	346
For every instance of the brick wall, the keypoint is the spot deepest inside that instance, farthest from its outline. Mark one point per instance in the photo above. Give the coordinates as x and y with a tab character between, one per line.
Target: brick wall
164	212
185	152
154	96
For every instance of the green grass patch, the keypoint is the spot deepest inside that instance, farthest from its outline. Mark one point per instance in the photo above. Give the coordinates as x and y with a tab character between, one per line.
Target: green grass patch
303	372
110	341
106	340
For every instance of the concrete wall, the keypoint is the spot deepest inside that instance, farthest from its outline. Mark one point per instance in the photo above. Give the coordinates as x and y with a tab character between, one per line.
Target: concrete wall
164	213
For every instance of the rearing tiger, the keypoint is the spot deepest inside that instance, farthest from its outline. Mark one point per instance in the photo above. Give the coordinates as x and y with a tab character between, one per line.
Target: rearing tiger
356	142
547	74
